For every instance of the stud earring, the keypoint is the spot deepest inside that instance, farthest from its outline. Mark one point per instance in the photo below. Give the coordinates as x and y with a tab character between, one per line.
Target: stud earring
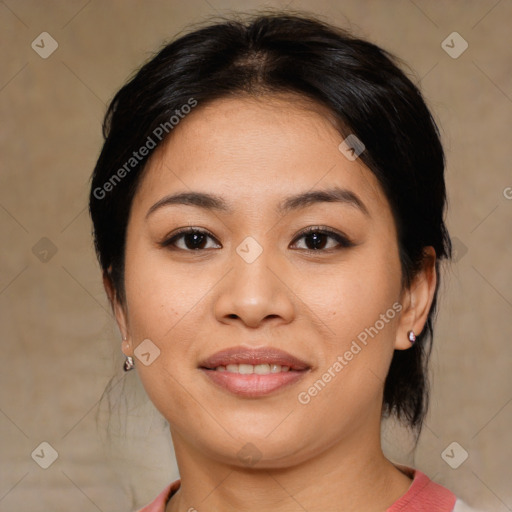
411	336
129	363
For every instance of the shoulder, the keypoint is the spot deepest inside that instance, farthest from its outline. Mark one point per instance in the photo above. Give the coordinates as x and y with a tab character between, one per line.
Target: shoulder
424	495
159	503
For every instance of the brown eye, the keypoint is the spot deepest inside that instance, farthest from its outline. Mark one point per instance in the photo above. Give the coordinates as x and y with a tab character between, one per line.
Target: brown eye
319	239
188	239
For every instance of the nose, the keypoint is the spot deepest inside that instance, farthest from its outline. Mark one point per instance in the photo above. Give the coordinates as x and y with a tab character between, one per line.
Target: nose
254	293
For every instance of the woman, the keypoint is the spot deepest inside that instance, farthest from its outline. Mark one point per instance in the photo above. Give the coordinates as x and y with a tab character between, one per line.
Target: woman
268	215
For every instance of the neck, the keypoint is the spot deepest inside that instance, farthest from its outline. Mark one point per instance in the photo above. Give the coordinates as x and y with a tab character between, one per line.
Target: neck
353	476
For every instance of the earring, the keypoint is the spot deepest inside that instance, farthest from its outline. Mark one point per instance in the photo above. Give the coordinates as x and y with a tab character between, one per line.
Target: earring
411	336
129	363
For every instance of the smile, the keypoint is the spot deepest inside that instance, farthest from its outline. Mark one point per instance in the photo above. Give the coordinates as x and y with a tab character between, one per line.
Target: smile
248	369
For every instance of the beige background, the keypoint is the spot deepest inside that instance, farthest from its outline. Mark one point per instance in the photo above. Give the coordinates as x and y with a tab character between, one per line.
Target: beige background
59	345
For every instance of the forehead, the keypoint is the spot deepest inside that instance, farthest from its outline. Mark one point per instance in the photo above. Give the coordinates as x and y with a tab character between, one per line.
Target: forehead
255	150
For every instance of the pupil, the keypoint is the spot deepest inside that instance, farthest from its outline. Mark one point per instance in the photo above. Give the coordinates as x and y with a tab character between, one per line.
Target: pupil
197	240
317	240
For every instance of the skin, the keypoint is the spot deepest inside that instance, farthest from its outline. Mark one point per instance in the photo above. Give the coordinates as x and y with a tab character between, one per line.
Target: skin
323	455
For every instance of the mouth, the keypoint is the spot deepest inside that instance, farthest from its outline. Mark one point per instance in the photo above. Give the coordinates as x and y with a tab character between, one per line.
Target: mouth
253	373
249	369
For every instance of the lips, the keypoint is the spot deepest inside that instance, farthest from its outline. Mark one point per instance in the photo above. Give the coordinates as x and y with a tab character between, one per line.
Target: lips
257	356
253	373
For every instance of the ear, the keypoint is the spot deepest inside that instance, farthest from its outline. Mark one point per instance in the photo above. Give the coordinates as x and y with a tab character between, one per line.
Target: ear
119	312
416	300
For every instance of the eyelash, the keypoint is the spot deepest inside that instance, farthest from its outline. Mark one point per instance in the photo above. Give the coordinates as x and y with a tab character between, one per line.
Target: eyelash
343	241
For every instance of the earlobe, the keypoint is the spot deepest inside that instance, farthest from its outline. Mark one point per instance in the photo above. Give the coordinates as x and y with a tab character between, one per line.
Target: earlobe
417	302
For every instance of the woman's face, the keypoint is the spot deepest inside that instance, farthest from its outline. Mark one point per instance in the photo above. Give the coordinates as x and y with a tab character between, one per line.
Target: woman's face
251	279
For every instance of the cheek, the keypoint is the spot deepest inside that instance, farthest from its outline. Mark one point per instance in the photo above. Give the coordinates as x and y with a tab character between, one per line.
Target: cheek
160	296
352	296
156	307
359	304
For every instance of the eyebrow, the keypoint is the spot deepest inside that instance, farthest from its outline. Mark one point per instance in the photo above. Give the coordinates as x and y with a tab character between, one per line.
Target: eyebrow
209	201
329	195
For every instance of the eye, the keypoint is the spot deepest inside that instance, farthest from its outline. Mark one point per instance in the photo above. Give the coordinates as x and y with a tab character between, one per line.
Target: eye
317	238
193	239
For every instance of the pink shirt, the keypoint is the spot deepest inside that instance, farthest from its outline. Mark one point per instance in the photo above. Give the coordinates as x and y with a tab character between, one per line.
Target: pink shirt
422	496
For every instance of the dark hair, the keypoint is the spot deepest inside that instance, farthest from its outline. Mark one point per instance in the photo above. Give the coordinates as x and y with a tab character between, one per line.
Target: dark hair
359	83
